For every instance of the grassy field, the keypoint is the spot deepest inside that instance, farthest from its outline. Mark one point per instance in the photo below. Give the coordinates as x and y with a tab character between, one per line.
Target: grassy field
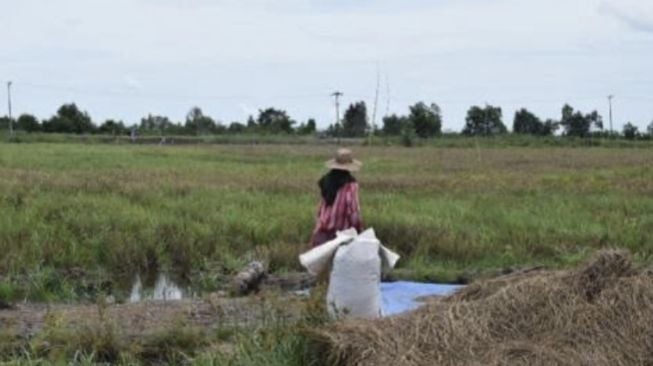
77	220
76	213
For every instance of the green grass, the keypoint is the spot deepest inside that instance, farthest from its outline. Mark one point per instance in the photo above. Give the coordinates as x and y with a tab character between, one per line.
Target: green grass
75	215
273	346
273	341
78	219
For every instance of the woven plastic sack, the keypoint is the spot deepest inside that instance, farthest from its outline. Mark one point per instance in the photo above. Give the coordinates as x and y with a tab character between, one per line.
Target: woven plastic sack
355	277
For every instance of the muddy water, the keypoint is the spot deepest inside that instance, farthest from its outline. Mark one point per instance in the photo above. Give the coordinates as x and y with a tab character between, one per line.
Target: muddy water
164	289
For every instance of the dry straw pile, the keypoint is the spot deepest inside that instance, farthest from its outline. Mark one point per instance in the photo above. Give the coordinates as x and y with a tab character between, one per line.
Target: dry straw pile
599	314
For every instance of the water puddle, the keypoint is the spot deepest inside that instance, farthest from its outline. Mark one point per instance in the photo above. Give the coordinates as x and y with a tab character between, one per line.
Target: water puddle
164	289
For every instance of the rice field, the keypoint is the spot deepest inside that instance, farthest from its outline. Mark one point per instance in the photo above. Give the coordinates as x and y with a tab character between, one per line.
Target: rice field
112	211
78	220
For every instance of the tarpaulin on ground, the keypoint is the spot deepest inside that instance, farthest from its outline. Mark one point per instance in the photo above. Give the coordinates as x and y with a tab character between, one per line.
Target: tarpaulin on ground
401	296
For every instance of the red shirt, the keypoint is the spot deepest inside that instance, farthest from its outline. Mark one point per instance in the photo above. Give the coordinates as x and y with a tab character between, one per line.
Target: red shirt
343	214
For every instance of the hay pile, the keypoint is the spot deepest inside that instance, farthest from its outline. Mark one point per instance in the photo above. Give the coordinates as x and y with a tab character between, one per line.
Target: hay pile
599	314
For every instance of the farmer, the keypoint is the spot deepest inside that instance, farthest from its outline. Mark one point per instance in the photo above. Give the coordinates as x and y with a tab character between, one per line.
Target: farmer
339	206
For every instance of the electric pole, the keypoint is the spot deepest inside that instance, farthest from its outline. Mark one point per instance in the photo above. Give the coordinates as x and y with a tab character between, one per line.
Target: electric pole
376	102
387	92
337	96
11	124
610	104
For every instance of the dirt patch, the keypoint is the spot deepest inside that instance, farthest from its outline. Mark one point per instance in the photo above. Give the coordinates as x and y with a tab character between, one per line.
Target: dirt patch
598	314
275	299
26	321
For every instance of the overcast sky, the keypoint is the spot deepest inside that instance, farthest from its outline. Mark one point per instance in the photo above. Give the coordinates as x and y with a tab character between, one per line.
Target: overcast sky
124	59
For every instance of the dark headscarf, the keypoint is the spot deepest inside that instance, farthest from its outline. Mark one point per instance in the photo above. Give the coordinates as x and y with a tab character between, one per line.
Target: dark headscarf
331	183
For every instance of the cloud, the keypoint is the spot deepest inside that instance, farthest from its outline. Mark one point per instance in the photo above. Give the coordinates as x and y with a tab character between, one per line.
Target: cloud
636	17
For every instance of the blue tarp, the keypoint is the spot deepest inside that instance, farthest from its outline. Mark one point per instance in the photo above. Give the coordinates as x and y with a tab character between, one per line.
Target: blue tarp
401	296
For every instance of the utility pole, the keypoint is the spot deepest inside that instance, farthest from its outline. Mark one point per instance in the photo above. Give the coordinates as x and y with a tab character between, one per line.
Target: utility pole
376	102
11	123
387	92
337	96
610	103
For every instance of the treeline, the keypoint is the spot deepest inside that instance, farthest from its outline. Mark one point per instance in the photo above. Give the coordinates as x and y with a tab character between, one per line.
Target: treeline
70	119
422	121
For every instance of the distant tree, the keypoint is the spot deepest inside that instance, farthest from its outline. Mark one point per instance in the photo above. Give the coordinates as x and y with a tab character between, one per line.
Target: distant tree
354	122
300	129
596	119
236	127
630	131
408	134
311	125
158	124
550	127
198	123
81	121
650	129
113	127
57	125
527	123
4	123
69	119
307	128
219	128
577	124
332	130
28	123
274	121
251	124
484	121
393	124
427	120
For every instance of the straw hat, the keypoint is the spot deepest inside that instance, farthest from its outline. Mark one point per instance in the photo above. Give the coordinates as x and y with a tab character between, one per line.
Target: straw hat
344	161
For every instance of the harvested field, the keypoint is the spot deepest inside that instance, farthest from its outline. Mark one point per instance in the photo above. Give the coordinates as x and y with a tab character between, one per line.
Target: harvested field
598	314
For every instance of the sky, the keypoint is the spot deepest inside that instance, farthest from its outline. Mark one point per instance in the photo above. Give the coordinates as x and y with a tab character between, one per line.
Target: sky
124	59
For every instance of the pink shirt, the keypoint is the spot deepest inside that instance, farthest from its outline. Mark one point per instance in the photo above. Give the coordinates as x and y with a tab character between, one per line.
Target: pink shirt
343	214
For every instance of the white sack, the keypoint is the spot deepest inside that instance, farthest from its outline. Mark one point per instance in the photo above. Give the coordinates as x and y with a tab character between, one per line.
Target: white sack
356	273
316	259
